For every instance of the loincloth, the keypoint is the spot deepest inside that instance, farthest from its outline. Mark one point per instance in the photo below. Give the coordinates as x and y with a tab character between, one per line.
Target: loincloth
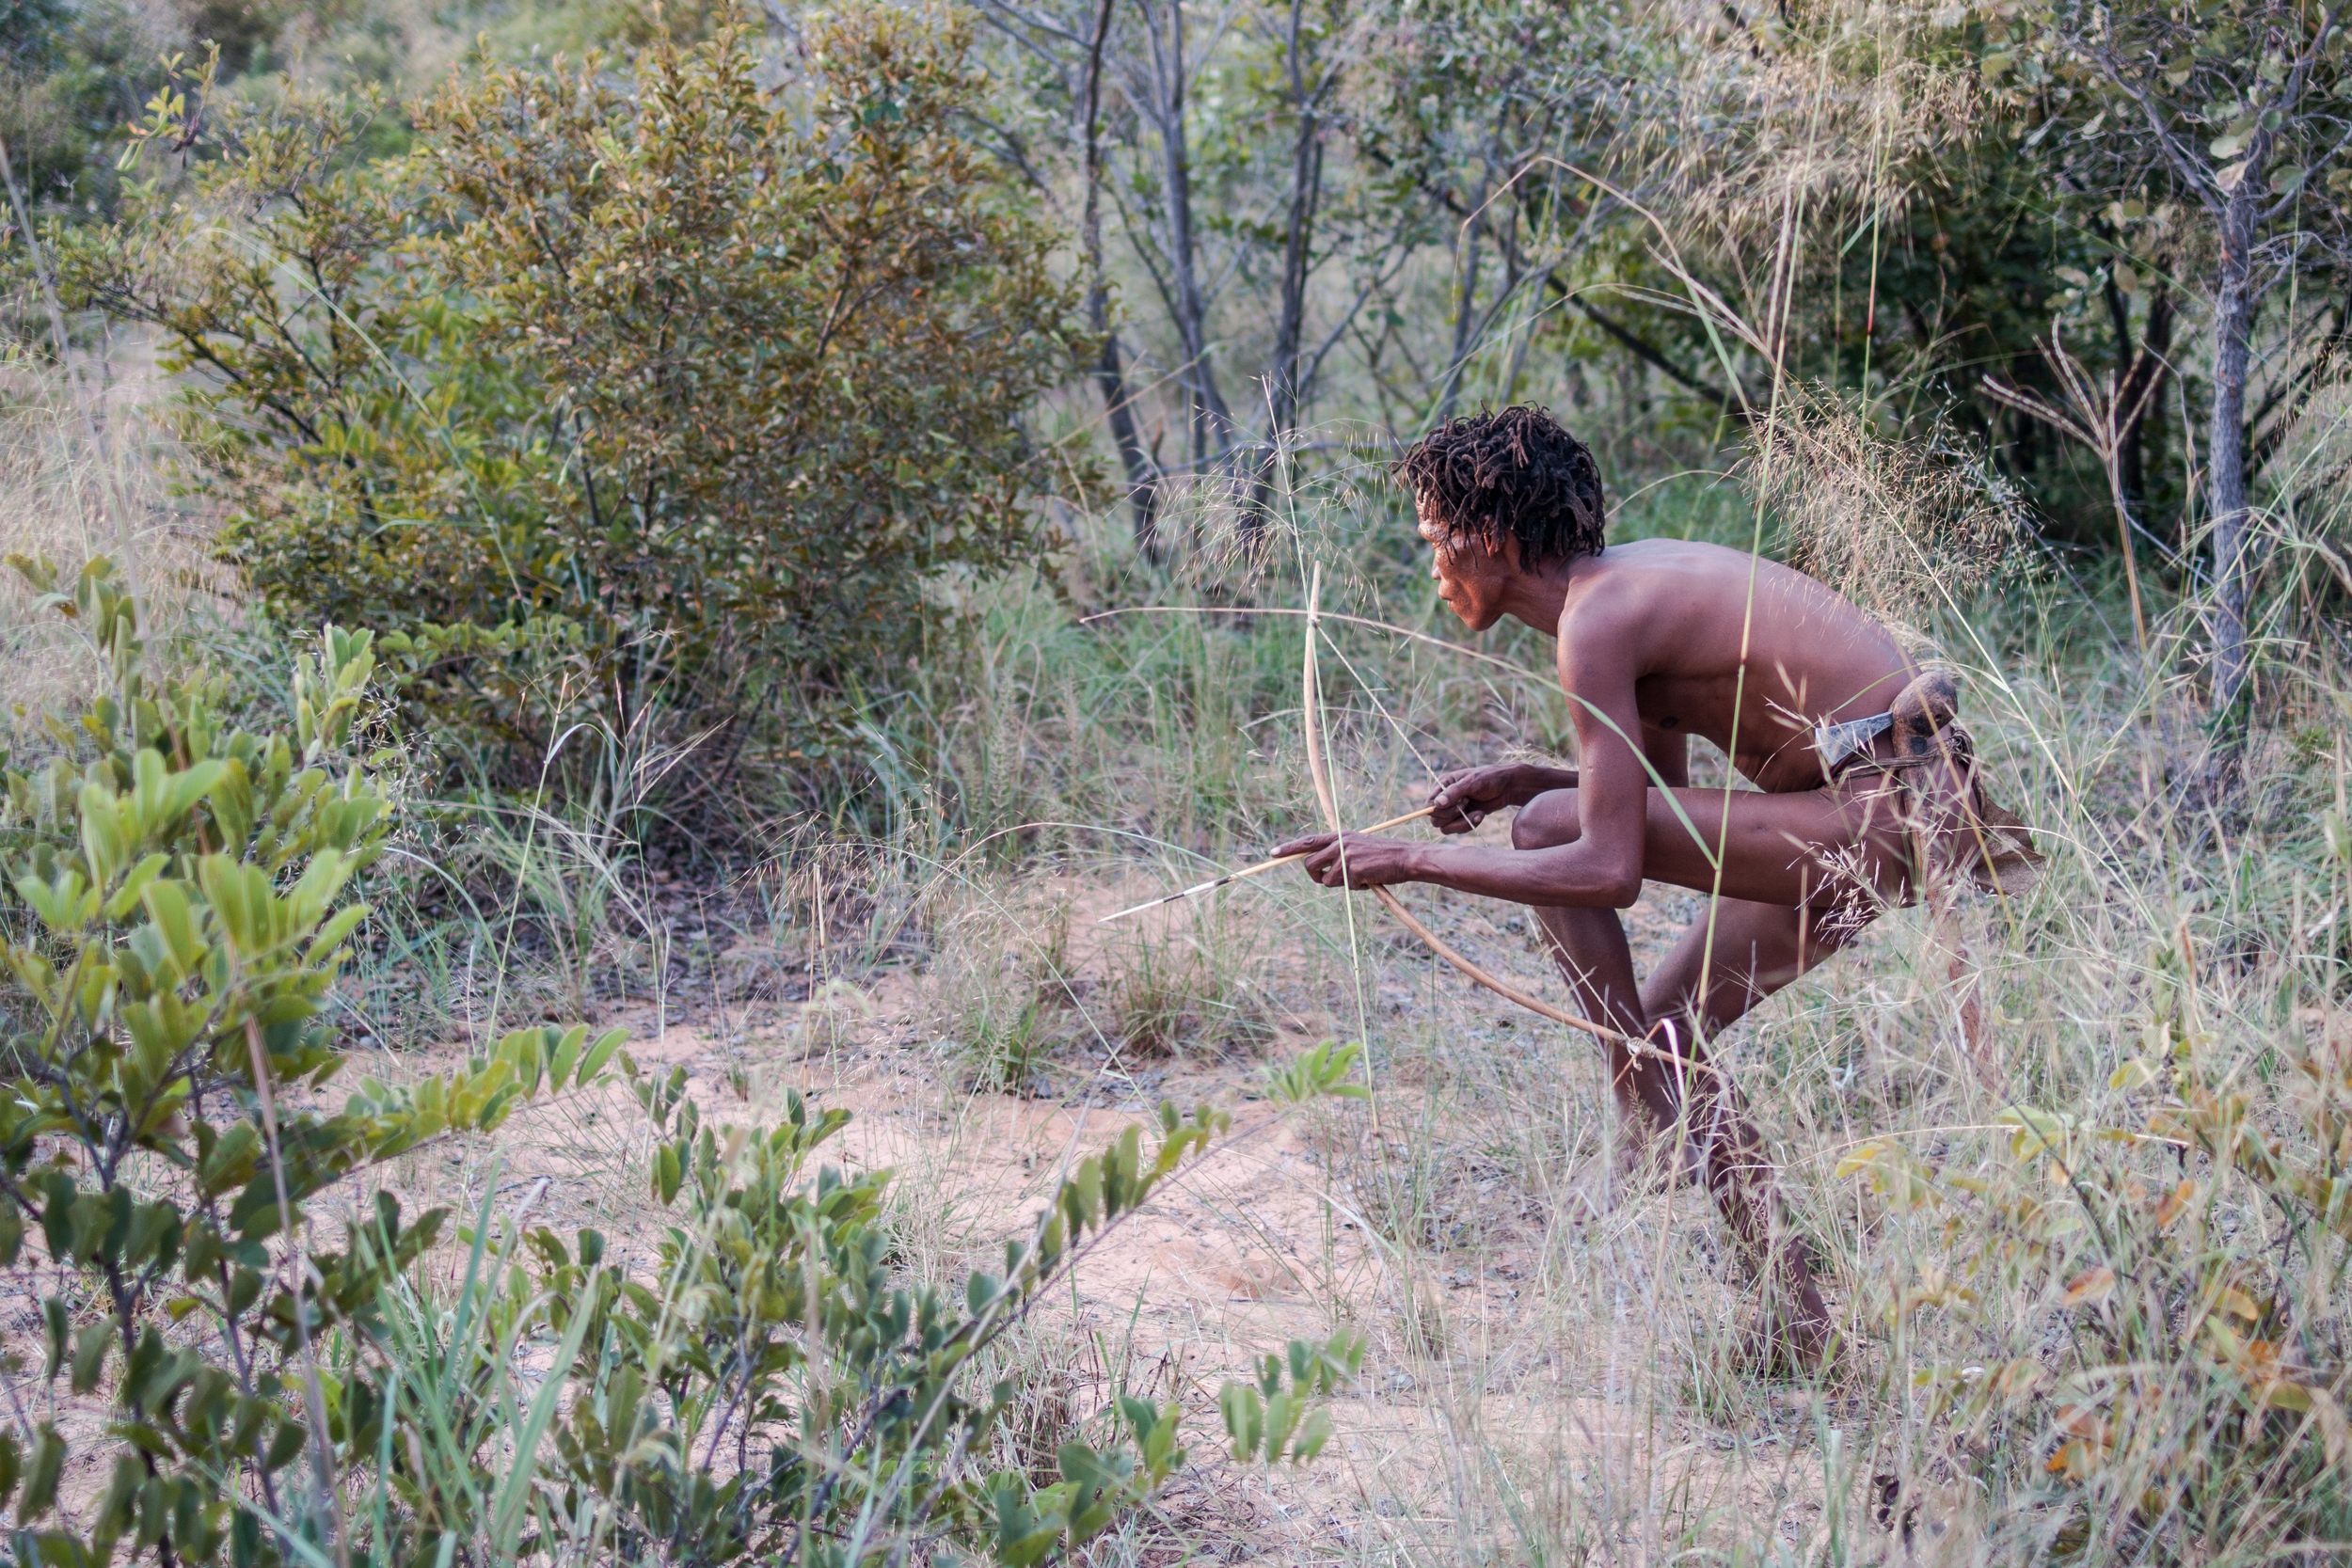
1927	757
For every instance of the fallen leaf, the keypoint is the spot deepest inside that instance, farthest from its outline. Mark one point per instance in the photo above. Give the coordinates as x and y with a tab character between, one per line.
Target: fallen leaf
2091	1287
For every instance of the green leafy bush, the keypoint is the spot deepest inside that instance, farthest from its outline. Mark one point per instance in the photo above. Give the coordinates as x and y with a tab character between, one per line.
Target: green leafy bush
179	912
659	404
767	1391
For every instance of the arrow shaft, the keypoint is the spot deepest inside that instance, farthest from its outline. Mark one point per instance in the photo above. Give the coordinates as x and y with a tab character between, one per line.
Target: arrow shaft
1199	888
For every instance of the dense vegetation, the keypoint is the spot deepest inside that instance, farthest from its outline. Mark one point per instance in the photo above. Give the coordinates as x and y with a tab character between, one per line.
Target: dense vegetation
622	407
714	417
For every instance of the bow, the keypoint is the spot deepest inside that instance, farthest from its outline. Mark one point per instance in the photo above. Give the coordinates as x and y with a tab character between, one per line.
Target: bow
1320	770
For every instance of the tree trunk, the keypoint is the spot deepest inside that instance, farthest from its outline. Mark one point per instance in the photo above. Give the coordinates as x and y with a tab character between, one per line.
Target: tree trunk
2225	456
1109	372
1143	484
1212	424
1464	313
2143	391
1283	391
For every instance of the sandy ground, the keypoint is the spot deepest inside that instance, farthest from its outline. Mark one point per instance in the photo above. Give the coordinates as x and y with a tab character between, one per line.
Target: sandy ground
1476	1381
1517	1377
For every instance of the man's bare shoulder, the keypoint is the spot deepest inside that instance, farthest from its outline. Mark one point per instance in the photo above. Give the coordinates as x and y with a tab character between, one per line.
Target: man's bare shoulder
1683	605
1655	584
1691	580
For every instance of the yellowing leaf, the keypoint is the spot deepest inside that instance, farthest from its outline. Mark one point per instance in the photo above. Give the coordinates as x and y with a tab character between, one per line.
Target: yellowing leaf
2091	1287
2076	1460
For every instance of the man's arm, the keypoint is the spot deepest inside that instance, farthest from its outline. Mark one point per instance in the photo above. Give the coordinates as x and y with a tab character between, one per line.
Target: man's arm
1599	657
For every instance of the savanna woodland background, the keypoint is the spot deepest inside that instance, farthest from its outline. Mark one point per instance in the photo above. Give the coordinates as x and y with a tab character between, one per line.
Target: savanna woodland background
633	579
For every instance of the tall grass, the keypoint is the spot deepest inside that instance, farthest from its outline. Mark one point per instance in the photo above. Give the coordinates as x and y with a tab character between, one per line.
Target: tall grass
1610	1417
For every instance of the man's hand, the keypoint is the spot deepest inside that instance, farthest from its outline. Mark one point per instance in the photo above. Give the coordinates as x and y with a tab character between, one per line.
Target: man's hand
1465	795
1371	861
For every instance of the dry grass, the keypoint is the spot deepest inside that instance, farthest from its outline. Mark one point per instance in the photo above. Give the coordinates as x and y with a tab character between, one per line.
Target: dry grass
1910	530
84	472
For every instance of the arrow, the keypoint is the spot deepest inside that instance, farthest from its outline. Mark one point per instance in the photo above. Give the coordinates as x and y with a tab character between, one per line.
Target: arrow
1262	865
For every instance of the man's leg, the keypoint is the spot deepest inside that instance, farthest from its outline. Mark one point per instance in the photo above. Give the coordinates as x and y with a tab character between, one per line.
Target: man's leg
1817	850
1717	971
1744	953
1751	949
1589	946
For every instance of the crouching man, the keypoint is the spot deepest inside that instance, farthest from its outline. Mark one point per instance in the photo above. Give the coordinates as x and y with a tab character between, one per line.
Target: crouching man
1865	791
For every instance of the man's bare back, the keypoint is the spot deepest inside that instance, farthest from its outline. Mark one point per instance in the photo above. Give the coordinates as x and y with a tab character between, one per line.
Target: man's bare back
1659	641
1675	616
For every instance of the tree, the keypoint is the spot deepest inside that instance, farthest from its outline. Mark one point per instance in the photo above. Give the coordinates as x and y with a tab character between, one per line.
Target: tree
1202	139
2233	109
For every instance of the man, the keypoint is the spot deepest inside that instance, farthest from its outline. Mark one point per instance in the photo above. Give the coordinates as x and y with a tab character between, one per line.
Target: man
1864	789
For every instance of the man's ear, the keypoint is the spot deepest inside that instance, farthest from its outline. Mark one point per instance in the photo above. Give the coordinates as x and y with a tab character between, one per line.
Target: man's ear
1506	549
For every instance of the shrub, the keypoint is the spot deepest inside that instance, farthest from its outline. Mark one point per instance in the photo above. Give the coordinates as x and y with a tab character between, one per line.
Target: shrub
658	404
180	912
2130	1344
768	1391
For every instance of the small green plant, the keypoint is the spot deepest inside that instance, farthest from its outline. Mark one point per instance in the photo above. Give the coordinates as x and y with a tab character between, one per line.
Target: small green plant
1006	1042
772	1392
1012	998
179	912
1325	1069
1270	1420
1183	989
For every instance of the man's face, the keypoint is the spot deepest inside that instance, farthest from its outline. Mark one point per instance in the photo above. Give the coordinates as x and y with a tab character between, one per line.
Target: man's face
1471	577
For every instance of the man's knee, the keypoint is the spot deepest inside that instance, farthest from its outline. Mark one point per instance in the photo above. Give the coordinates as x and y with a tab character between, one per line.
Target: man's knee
1547	822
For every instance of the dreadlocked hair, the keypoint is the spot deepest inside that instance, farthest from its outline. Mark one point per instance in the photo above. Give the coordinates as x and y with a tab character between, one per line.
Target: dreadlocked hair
1514	472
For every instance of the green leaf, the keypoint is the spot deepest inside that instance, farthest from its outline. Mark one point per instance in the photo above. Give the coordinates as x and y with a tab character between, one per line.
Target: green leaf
667	1173
1311	1437
55	1325
565	1055
593	1063
90	1355
194	785
1245	1417
126	897
167	907
40	1482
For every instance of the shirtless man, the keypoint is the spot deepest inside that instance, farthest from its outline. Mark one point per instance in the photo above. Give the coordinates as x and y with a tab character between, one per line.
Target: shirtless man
1659	641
